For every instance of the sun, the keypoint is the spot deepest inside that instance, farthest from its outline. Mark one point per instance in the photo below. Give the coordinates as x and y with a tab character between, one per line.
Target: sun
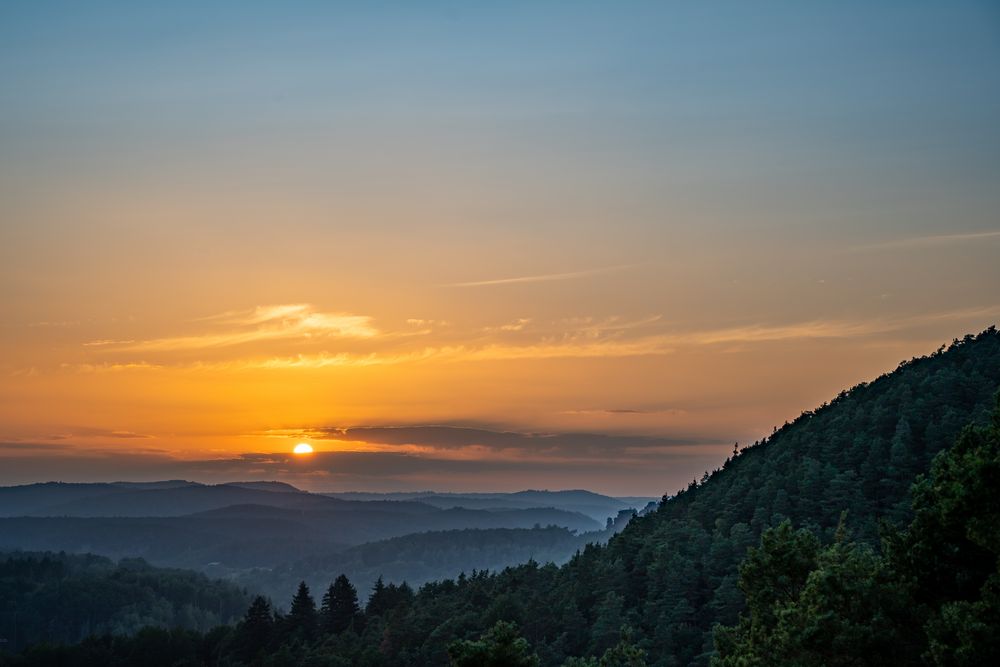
303	448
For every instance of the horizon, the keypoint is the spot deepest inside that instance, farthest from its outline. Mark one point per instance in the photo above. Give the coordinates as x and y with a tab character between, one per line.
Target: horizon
466	247
374	493
295	467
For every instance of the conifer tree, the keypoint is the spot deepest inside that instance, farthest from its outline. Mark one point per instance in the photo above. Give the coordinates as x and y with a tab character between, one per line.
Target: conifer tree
256	630
301	619
340	610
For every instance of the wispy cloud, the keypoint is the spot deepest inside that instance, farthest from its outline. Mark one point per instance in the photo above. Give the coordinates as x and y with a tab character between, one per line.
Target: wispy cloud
129	435
61	324
578	338
931	240
803	330
544	277
624	411
462	353
263	323
107	341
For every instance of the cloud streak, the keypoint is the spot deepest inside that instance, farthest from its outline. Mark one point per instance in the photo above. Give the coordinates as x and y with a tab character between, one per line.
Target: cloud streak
575	338
544	277
454	438
264	323
931	241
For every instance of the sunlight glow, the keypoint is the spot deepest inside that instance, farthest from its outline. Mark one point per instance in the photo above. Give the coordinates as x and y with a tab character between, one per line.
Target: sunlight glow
303	448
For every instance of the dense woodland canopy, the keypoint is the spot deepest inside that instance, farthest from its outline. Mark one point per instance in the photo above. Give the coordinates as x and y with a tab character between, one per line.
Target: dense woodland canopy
846	565
65	598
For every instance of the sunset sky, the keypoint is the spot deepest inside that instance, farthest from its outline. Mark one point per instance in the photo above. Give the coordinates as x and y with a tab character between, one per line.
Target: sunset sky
476	246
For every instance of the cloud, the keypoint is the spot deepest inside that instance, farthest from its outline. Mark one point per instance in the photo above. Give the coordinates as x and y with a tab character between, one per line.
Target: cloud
129	435
758	333
456	438
113	367
516	325
625	411
34	446
932	240
462	353
803	330
60	324
91	432
108	341
264	323
545	277
572	338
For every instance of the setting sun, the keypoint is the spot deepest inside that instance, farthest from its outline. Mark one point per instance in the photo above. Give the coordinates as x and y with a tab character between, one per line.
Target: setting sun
303	448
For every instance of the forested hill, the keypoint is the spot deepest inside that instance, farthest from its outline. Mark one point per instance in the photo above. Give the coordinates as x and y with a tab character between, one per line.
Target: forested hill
66	597
672	574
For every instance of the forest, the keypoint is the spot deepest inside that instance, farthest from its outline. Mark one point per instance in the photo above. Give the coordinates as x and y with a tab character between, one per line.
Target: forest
66	598
865	532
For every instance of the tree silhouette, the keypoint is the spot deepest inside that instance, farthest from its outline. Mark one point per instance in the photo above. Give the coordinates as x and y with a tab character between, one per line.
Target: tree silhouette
340	610
301	619
256	630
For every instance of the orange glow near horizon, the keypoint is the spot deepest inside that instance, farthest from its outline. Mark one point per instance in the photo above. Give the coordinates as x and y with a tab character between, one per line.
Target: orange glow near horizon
454	387
574	251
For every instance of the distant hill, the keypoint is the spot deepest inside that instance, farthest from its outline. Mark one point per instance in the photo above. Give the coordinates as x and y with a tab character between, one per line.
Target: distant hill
418	558
164	484
594	505
178	498
123	500
226	539
281	487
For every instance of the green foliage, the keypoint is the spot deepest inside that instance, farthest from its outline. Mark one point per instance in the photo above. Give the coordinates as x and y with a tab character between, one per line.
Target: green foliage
623	654
932	597
949	559
501	646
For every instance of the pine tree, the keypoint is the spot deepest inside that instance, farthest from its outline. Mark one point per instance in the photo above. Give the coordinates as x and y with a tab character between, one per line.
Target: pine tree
376	601
256	630
340	610
301	619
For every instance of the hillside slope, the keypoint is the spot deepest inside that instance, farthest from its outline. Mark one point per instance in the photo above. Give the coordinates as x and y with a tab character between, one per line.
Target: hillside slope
676	568
671	575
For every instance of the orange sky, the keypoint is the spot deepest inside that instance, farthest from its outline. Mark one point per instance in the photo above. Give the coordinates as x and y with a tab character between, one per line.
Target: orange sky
594	255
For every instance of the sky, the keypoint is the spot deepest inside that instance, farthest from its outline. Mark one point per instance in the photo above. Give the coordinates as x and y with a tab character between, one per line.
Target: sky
476	246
